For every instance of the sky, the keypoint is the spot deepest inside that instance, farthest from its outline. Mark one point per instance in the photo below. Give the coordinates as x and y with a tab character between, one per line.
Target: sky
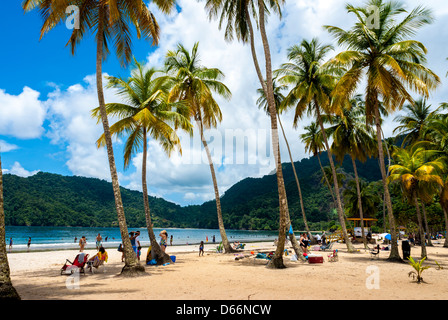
46	95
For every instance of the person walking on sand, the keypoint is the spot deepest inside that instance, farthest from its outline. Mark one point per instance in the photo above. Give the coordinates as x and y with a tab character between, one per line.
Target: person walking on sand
99	240
82	243
201	248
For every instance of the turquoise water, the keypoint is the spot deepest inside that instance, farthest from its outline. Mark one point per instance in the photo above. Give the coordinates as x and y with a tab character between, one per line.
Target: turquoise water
57	238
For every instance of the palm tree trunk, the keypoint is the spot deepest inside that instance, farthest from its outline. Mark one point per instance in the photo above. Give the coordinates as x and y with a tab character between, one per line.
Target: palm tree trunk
425	219
131	266
420	226
349	244
161	257
326	179
445	244
302	207
7	290
394	255
225	242
361	213
277	261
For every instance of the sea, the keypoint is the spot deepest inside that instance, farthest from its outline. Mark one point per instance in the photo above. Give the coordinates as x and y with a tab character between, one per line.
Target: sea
62	238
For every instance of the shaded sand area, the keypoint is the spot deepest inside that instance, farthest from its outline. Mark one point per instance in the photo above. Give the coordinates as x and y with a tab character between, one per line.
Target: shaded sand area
36	276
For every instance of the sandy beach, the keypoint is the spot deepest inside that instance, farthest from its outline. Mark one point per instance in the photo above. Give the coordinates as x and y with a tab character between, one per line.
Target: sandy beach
36	276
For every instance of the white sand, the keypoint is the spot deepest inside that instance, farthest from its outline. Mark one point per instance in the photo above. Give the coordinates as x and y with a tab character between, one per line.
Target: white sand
36	275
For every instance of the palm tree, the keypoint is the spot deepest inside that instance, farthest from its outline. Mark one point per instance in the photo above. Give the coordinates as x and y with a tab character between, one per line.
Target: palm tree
263	104
419	177
444	204
7	290
312	138
312	83
391	61
110	20
194	84
147	114
352	136
414	122
369	199
238	15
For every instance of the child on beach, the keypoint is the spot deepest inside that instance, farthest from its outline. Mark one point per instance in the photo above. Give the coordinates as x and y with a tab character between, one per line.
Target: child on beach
201	248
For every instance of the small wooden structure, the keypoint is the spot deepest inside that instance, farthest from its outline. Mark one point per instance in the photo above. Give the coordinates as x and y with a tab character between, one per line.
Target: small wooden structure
368	222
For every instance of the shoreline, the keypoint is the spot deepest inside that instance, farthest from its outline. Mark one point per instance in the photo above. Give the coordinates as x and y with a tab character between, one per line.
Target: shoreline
217	276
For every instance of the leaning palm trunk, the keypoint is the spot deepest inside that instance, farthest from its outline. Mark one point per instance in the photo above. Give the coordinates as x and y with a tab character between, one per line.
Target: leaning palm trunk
161	257
420	227
302	207
131	267
225	242
348	243
361	213
426	224
7	291
445	244
326	179
394	255
277	261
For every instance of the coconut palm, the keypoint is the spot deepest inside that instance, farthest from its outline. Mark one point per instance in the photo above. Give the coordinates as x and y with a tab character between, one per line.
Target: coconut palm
110	20
146	114
369	199
418	171
312	83
7	290
263	104
237	15
444	204
391	61
351	136
312	138
414	122
194	84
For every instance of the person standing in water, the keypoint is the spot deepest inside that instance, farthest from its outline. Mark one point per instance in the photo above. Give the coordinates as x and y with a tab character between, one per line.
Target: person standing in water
29	244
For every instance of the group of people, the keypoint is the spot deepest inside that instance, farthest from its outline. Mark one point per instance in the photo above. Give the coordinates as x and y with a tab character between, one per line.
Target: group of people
304	241
28	244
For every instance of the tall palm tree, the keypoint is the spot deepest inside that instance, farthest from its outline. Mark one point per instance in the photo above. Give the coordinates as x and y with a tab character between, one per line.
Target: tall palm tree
237	15
194	84
391	62
351	136
369	199
263	104
312	83
312	138
414	122
110	20
7	290
418	171
444	204
147	114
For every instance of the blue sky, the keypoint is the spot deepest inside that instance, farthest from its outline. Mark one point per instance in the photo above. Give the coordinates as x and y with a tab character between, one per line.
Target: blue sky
46	95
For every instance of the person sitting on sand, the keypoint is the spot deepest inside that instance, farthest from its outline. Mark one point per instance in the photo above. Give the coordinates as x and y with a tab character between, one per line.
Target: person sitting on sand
98	259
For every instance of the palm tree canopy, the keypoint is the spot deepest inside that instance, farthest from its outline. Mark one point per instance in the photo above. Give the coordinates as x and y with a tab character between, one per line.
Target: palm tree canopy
419	171
313	139
369	199
391	61
311	80
414	122
145	110
350	133
191	82
234	14
118	16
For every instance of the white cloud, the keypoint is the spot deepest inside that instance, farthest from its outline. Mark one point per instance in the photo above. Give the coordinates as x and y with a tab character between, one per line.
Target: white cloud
22	116
18	170
6	147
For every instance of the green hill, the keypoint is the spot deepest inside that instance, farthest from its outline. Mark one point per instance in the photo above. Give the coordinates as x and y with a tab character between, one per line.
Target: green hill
47	199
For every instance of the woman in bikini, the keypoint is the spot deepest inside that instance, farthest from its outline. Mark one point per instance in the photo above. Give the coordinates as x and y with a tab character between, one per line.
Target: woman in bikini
163	240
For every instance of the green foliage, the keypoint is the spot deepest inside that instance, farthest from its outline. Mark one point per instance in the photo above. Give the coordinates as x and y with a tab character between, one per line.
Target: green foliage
418	269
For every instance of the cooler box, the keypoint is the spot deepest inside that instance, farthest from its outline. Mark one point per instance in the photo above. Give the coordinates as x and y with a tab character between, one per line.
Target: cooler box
315	259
